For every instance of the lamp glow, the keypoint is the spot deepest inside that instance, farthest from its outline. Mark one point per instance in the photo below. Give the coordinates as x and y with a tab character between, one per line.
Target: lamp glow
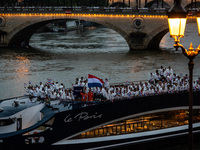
198	24
177	17
177	27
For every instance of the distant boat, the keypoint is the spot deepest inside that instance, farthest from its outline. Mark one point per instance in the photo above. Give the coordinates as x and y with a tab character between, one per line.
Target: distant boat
55	29
62	26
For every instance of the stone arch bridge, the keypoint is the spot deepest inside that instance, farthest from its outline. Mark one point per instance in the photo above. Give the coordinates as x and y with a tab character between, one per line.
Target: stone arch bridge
140	31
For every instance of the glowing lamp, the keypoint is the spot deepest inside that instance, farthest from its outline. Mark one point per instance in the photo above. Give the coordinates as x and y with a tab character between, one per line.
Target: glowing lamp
198	22
177	22
177	26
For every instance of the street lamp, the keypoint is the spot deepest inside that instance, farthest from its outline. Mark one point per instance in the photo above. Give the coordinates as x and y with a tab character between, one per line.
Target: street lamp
177	22
177	17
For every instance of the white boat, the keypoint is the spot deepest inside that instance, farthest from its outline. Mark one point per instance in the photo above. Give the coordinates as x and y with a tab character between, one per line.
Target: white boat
18	114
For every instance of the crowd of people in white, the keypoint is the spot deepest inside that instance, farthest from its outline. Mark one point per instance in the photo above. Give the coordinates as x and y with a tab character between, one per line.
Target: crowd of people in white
164	80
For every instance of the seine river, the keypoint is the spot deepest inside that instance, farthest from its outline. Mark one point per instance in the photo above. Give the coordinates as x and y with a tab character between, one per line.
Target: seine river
96	50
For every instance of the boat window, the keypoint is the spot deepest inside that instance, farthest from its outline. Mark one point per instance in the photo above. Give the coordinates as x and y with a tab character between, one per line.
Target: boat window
41	128
6	122
31	137
143	123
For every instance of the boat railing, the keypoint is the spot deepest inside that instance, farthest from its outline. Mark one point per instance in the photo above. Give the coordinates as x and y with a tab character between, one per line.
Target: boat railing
75	104
80	104
17	97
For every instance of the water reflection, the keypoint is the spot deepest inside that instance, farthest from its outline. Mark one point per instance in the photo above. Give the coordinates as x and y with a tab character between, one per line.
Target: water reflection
98	51
22	66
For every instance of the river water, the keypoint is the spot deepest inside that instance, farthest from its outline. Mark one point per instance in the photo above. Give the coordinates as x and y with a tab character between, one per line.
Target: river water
96	50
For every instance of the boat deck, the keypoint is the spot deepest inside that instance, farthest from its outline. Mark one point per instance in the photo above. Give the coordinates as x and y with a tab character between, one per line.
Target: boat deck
13	106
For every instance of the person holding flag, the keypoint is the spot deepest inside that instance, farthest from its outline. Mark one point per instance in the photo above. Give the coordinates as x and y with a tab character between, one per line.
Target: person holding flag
94	82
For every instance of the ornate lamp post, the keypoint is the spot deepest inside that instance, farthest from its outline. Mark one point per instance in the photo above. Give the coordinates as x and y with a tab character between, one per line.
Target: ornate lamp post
177	21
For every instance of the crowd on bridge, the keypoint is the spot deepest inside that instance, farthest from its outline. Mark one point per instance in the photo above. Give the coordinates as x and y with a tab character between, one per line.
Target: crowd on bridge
162	81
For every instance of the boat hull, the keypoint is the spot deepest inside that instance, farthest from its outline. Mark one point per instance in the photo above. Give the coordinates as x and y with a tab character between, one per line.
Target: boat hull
68	124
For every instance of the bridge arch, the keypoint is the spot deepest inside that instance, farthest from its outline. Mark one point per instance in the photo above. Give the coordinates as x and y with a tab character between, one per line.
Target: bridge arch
155	4
23	33
16	35
119	4
156	37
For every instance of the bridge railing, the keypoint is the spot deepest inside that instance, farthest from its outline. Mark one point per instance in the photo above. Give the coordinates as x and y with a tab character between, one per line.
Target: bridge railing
80	9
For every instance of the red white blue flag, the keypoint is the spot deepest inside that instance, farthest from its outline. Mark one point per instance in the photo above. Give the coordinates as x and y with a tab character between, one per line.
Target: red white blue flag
94	81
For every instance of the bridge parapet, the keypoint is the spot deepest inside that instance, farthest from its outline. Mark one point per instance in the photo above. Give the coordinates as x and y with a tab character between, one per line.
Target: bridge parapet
106	10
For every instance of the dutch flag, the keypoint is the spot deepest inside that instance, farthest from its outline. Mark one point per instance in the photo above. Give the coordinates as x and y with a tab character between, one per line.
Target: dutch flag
94	81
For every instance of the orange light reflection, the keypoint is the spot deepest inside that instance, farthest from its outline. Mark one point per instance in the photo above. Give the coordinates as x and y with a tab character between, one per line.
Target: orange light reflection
23	65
